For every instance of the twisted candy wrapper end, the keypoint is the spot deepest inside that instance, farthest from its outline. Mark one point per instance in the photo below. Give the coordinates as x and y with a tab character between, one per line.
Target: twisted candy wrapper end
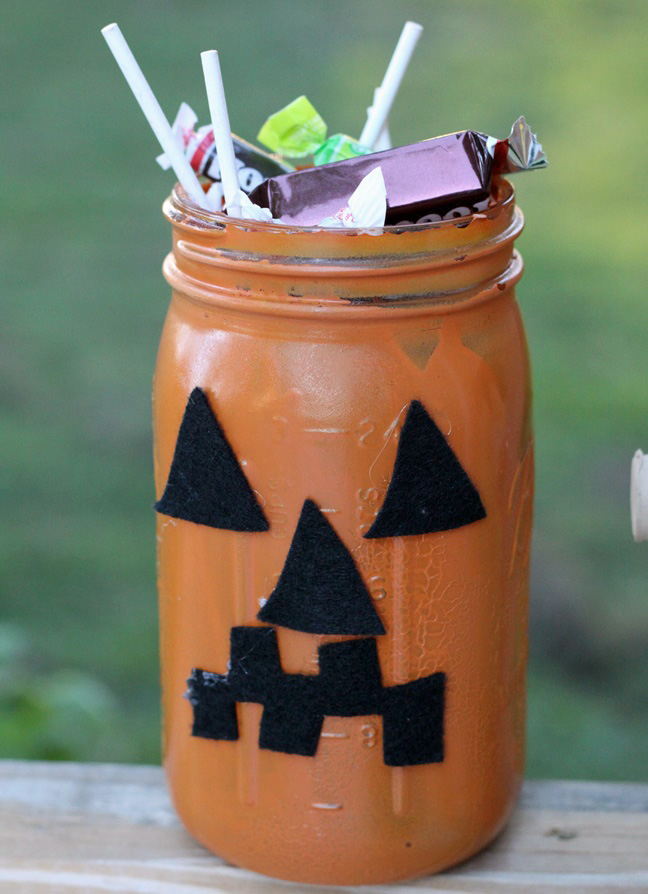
523	150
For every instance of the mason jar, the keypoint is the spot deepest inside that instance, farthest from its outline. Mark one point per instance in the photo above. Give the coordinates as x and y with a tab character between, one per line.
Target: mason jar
344	474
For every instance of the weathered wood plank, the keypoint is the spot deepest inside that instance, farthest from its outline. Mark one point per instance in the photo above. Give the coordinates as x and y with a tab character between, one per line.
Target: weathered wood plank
70	828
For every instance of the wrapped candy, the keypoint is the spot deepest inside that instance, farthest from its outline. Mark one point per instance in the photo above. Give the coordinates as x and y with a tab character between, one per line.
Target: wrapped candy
298	131
253	164
443	178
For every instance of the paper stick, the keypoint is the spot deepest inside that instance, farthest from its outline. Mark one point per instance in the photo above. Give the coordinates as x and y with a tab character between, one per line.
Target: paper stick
639	496
222	131
391	82
383	140
154	114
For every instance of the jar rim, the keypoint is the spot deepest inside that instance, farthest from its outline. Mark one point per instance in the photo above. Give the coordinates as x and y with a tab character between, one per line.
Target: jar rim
181	211
220	260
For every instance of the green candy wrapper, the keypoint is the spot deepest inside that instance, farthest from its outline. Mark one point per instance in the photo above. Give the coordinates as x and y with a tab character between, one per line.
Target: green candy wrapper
295	131
337	148
298	131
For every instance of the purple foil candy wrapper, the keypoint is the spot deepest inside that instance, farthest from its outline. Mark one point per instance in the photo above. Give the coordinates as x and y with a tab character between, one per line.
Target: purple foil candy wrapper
445	176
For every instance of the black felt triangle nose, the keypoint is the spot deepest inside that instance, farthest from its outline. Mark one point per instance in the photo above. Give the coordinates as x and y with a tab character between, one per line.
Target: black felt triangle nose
206	484
429	490
320	590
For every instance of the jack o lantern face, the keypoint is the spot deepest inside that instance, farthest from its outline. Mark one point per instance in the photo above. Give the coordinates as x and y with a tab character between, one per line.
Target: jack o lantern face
319	591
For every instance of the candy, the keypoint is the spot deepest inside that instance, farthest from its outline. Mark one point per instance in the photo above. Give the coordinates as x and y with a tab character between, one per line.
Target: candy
253	164
445	178
295	131
432	176
337	148
298	131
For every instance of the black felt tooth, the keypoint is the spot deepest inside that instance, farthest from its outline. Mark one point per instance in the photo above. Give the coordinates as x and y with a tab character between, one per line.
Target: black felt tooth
413	722
320	590
429	490
349	677
255	666
206	484
214	706
292	719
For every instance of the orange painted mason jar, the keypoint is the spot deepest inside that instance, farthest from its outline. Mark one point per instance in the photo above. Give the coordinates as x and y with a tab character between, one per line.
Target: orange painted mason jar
344	473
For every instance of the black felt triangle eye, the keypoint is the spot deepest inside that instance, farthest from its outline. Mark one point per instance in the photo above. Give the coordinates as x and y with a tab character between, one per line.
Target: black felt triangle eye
206	484
429	490
320	590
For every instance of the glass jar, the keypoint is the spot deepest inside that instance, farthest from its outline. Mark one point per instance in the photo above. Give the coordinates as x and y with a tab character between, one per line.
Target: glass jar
343	461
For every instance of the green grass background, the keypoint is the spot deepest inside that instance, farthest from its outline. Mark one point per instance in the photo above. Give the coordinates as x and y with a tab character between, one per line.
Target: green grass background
83	303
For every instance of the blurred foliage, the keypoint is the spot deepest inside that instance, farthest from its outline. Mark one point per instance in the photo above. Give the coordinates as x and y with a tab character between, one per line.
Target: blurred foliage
56	715
84	301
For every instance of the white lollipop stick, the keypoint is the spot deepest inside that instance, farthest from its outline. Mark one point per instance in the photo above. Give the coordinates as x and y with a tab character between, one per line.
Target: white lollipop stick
154	114
391	82
639	496
383	140
222	132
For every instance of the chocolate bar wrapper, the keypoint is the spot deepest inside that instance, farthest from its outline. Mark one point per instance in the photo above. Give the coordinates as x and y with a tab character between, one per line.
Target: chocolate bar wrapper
253	165
431	177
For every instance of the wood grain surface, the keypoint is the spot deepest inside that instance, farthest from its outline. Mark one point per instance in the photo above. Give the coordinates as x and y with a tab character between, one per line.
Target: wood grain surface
68	828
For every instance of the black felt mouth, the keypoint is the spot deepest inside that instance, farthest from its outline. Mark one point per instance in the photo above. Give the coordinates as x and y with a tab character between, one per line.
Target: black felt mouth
294	705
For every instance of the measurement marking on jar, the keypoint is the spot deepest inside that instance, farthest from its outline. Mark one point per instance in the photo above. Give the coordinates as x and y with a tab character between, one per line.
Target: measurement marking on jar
277	507
369	734
365	428
377	588
327	431
332	511
320	805
335	735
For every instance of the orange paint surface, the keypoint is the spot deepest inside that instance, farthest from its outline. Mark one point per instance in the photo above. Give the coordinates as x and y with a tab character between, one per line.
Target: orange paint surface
311	346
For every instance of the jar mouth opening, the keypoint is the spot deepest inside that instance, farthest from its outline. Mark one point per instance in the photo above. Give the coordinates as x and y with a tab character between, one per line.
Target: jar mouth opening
180	209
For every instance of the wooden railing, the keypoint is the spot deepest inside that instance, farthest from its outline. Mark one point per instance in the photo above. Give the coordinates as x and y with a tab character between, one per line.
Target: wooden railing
110	828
